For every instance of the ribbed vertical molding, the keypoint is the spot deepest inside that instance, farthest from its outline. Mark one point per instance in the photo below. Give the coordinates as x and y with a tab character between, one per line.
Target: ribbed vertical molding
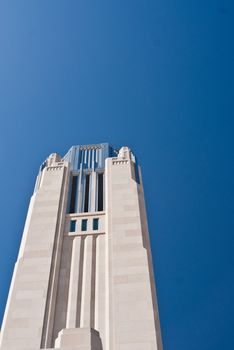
79	191
93	284
87	285
93	191
76	262
100	289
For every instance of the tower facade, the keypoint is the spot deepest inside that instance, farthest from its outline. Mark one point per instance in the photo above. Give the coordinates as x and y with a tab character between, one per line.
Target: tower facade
84	277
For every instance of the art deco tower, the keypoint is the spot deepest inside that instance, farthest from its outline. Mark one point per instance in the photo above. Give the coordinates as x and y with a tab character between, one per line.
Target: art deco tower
84	279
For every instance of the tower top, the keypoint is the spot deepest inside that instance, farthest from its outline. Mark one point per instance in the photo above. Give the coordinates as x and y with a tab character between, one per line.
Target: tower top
124	152
53	158
89	156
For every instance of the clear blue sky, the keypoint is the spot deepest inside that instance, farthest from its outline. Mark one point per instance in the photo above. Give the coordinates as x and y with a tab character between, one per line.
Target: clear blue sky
157	75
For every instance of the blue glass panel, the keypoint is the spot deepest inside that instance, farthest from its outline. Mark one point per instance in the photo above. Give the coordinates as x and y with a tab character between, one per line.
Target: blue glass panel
84	225
73	226
95	224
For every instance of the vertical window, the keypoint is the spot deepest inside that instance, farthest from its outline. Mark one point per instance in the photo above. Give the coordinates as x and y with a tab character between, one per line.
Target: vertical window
95	224
100	192
72	225
73	195
84	225
86	201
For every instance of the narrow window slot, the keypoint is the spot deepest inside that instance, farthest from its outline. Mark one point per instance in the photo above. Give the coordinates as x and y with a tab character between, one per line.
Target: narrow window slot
73	195
84	225
100	192
95	224
86	201
73	226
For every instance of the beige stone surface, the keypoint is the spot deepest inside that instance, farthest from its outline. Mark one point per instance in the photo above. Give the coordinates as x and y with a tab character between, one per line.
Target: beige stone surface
91	290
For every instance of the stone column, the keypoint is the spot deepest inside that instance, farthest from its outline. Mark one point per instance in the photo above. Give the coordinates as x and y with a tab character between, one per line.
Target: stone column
93	191
72	307
86	285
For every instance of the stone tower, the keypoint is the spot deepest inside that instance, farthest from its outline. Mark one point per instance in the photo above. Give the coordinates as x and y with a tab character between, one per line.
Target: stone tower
84	278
